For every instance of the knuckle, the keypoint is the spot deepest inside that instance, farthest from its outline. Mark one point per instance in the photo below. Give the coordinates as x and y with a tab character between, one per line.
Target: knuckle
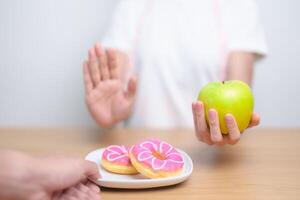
230	125
234	134
197	112
213	123
217	140
234	140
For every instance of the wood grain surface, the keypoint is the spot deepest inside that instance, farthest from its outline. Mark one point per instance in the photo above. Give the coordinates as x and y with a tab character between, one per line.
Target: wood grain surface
265	164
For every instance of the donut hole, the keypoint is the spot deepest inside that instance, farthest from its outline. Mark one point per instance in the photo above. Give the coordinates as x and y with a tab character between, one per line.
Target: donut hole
159	155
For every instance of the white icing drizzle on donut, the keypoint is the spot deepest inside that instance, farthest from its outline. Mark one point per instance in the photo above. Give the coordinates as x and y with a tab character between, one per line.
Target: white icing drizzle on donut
161	148
115	155
148	142
147	154
175	161
157	167
139	157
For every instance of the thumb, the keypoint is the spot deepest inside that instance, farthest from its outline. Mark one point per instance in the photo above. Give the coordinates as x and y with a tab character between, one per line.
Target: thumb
131	88
91	170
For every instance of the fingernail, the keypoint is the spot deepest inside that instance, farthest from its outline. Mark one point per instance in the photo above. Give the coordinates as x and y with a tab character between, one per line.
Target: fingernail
96	189
97	44
199	106
228	118
93	187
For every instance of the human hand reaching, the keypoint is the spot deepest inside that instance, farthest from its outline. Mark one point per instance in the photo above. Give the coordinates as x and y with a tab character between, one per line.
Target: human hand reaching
108	98
23	177
210	133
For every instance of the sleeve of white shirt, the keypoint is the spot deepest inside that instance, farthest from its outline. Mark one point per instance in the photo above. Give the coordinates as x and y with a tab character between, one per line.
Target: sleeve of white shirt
242	26
122	28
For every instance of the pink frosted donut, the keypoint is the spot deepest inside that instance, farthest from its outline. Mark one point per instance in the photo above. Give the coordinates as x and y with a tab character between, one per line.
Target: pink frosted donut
116	159
156	159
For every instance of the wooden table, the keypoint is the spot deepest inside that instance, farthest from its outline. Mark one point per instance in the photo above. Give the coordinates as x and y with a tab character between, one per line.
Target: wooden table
265	164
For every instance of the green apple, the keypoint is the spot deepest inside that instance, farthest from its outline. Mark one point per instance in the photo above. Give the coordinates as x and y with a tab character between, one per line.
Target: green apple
234	97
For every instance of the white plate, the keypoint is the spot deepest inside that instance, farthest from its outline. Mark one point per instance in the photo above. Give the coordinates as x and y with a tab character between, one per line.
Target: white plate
112	180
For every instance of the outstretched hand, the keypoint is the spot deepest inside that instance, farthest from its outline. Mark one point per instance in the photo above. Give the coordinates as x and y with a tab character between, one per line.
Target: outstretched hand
24	177
210	133
108	100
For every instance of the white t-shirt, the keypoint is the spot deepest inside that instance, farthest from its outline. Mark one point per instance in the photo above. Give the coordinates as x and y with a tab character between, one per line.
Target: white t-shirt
177	46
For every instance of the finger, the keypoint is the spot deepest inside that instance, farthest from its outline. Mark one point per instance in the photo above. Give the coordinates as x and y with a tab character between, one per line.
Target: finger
76	192
93	67
102	59
80	195
93	196
131	88
201	122
255	120
226	139
215	133
91	170
72	191
87	78
112	64
233	129
93	187
203	128
82	188
199	136
69	198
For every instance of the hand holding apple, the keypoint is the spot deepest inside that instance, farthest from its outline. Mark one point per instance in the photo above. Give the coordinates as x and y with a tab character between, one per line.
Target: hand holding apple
233	102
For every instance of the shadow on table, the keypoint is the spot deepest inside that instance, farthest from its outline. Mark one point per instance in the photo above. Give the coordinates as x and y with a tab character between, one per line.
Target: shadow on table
164	188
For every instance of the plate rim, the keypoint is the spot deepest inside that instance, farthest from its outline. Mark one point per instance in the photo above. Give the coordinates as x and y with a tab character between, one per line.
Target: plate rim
183	176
